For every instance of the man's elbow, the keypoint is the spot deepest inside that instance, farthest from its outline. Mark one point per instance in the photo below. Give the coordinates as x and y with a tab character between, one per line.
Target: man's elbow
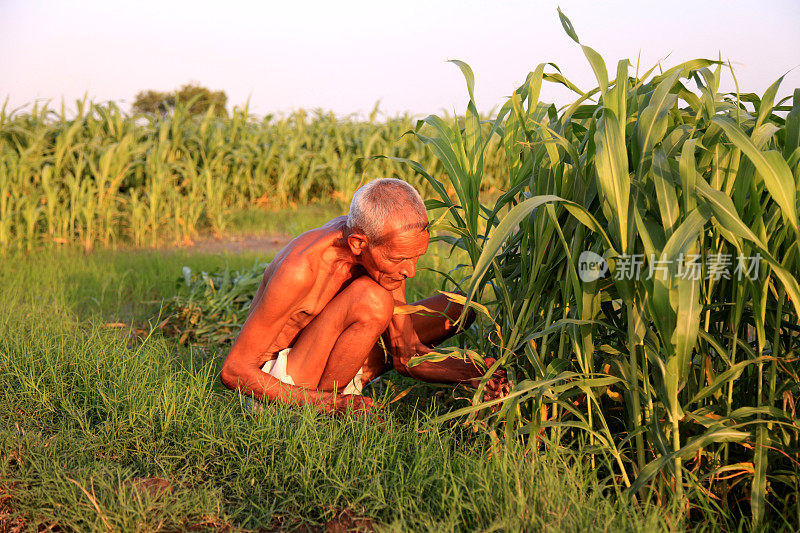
229	375
469	319
454	312
400	363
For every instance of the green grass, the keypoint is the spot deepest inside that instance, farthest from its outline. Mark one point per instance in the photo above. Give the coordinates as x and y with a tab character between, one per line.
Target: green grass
86	410
287	221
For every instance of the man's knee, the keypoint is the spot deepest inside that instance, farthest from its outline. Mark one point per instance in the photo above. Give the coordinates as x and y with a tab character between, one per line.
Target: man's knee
371	303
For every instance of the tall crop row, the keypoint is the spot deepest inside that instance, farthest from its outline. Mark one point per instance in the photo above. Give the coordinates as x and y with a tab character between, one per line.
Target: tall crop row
640	280
103	177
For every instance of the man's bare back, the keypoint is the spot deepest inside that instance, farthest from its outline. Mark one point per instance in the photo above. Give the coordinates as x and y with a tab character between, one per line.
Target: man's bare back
324	302
317	252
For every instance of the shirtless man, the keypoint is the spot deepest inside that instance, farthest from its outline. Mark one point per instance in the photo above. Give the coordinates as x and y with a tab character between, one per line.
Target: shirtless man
312	334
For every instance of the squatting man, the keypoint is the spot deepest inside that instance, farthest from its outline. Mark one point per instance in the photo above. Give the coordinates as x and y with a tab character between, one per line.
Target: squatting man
313	331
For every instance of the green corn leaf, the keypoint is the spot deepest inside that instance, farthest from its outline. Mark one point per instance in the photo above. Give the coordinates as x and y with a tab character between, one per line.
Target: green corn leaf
567	25
599	68
665	192
715	436
723	378
758	488
583	215
687	323
555	77
652	124
534	86
684	69
686	234
688	172
612	173
469	76
792	128
767	101
449	353
474	146
505	228
616	99
770	166
725	214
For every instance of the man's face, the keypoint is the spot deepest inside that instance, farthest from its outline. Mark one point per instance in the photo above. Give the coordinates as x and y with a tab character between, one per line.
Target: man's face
395	258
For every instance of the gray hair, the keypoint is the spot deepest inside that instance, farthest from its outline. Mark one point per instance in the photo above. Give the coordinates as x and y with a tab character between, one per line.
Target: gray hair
375	202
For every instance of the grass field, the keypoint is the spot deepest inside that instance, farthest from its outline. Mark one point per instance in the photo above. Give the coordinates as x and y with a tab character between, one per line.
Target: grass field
111	428
654	384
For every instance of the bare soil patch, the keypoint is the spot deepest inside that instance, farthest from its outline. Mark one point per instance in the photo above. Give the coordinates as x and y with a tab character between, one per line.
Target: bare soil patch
267	244
10	522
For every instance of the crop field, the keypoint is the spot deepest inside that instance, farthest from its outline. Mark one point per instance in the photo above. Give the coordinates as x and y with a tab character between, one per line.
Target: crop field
102	177
633	259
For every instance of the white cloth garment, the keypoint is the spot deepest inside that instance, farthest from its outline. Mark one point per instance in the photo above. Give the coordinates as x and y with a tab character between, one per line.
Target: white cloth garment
277	369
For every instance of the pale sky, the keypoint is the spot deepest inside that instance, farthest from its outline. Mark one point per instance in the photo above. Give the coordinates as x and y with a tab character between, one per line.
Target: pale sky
346	55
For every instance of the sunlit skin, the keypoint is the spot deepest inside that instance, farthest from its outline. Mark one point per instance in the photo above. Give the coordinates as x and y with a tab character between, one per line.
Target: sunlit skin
329	295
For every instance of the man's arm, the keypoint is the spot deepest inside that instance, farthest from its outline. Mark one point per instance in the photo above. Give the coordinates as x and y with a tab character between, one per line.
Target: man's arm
268	388
405	343
403	338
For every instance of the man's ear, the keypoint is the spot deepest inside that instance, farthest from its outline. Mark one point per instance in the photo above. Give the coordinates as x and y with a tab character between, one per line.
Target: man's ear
357	242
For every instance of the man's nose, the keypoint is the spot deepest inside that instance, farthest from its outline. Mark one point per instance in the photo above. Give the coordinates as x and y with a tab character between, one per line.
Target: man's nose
408	269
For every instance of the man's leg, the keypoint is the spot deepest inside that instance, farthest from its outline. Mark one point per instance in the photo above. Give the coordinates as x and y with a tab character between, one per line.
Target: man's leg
334	345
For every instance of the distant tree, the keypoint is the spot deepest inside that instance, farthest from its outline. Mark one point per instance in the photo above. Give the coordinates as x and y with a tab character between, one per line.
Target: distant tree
198	99
153	102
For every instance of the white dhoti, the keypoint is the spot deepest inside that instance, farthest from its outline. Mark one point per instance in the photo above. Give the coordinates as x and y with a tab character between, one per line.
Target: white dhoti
277	369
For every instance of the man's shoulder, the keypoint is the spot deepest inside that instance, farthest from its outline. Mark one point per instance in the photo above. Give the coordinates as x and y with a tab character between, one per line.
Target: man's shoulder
300	260
336	222
310	236
295	268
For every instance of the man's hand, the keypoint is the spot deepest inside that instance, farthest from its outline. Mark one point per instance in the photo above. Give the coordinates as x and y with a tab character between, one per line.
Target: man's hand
496	388
355	402
498	385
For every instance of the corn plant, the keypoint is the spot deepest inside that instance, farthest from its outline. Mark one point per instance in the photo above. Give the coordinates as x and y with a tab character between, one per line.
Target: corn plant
680	372
103	177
